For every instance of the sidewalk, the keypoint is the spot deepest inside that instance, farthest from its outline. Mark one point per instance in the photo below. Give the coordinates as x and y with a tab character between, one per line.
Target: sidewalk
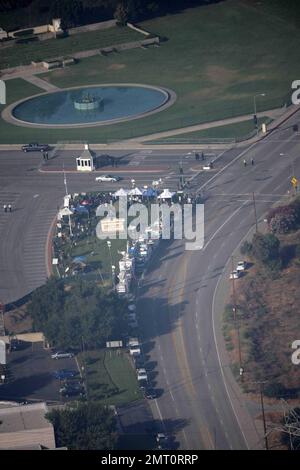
273	113
139	143
247	410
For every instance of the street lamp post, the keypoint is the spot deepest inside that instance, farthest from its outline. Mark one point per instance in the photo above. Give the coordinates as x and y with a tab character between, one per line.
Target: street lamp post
255	109
111	262
113	270
66	188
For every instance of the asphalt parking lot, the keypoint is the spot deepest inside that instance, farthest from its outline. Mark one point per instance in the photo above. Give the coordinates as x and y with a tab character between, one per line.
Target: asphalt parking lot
30	370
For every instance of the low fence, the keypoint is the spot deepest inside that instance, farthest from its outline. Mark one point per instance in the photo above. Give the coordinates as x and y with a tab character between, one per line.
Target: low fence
139	30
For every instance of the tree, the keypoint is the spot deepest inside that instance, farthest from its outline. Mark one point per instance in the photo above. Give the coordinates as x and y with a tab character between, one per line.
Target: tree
283	219
66	316
88	426
266	249
122	13
70	12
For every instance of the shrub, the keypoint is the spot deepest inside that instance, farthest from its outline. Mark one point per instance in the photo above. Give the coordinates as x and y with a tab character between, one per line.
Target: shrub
246	248
283	219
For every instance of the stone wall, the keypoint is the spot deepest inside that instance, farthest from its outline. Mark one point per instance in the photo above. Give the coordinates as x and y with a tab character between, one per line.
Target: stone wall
92	27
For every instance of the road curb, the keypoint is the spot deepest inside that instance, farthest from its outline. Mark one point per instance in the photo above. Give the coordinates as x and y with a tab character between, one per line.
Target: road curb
252	429
49	247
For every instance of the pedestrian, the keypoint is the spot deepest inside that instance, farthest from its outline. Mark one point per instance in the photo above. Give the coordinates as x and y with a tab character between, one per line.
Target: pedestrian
9	207
46	155
5	208
245	162
202	156
252	161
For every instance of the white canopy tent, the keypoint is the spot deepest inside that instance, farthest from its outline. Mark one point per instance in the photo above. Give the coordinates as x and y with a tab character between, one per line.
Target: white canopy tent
121	192
65	211
166	194
135	192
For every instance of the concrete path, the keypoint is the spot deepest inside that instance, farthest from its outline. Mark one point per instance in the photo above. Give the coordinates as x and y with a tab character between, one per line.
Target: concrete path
39	82
274	113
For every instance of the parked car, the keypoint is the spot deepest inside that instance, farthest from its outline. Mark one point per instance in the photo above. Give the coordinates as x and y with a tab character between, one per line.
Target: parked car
132	323
208	166
142	374
241	266
234	275
135	350
69	390
15	344
61	355
35	147
162	440
139	362
150	393
64	374
107	178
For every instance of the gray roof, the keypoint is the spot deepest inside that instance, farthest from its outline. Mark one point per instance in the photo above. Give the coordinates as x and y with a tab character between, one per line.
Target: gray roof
25	426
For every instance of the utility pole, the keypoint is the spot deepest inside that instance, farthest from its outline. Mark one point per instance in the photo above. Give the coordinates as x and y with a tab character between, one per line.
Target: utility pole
255	213
261	390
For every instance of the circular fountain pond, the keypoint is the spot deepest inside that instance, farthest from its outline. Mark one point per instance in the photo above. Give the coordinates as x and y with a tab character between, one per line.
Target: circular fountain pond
93	105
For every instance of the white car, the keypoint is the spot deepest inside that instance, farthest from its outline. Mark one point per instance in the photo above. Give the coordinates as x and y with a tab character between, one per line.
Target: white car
234	275
241	266
62	355
142	374
107	178
208	166
135	351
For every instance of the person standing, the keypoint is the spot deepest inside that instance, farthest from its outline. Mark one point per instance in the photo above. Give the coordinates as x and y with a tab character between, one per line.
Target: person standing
252	161
9	207
245	162
5	208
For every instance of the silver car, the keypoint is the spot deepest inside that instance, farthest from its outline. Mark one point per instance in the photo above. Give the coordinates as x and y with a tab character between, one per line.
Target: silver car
62	355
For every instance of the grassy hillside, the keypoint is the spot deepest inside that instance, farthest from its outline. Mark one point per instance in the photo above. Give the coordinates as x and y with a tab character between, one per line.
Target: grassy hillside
269	322
216	58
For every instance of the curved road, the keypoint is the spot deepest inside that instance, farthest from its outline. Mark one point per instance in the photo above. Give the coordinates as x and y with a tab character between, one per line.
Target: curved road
177	293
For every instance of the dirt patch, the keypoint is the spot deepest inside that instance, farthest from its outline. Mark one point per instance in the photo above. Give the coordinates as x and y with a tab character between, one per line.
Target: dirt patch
17	321
221	75
116	66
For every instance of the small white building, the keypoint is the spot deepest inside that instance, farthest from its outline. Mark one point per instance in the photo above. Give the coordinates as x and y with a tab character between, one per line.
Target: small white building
86	160
3	34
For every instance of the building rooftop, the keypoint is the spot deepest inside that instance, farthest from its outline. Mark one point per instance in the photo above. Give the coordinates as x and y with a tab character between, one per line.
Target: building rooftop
25	426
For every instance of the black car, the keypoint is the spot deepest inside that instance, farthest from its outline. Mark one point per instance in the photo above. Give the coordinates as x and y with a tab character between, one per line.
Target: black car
35	147
71	389
139	362
150	393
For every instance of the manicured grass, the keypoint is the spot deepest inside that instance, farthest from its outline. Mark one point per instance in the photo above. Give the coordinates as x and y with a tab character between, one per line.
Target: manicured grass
111	379
216	58
98	254
17	89
239	130
22	54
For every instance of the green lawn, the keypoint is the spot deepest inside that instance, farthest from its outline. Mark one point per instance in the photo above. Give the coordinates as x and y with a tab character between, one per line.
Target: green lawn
237	131
98	254
111	378
216	58
22	54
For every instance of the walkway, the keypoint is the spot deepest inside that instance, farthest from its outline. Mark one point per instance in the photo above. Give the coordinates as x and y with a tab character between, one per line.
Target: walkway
273	114
39	82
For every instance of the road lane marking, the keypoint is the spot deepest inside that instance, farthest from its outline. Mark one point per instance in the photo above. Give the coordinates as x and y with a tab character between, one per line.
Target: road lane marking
224	223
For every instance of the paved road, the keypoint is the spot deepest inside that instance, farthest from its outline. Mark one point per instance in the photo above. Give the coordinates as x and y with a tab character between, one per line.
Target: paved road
35	197
176	299
177	293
